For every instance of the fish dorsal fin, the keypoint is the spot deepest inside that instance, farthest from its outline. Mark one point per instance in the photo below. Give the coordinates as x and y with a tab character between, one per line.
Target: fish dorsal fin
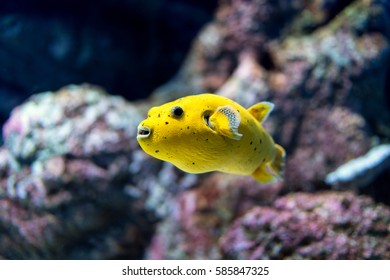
225	121
261	110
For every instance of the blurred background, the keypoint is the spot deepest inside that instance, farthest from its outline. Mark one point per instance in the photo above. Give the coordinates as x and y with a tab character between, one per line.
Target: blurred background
79	76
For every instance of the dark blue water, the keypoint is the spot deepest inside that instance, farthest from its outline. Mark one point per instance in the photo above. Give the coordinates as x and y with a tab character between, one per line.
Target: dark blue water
129	47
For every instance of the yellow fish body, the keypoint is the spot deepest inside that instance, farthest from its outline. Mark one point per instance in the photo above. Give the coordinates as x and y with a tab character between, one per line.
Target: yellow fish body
207	132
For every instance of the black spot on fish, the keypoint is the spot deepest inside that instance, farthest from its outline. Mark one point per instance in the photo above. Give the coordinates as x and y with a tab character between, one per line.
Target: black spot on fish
193	163
165	138
156	151
181	129
193	132
159	115
207	139
255	149
251	143
169	116
166	122
261	141
148	116
188	127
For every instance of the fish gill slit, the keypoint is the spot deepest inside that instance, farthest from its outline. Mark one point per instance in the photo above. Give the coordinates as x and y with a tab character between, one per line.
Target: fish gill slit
206	117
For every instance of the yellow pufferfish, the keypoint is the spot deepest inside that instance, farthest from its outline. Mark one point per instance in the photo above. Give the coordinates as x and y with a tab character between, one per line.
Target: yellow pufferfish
207	132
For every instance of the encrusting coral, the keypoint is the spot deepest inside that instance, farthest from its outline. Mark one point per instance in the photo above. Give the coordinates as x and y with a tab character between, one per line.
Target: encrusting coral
65	175
327	225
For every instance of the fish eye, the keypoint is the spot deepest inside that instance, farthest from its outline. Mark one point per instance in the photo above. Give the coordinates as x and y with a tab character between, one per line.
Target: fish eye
177	111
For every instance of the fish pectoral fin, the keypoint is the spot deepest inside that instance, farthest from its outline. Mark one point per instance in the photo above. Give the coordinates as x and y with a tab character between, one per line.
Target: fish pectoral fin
225	121
261	110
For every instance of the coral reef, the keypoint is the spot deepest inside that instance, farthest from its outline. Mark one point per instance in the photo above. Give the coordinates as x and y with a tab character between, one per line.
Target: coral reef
65	175
231	218
200	216
326	225
76	122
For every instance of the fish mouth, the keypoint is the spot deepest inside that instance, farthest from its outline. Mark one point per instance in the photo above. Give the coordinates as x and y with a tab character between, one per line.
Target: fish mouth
143	132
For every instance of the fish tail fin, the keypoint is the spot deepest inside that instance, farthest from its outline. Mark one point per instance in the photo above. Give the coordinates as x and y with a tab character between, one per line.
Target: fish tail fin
277	164
268	173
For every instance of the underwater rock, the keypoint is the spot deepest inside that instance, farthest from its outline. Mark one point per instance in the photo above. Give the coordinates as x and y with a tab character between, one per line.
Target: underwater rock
200	215
337	82
77	121
228	217
65	178
324	64
326	138
238	26
326	225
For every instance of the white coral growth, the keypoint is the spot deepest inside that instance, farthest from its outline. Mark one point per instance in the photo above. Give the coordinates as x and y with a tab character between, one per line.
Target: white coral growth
361	171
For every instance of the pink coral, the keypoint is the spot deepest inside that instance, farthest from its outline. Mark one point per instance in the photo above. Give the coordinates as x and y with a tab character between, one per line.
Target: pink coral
326	225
